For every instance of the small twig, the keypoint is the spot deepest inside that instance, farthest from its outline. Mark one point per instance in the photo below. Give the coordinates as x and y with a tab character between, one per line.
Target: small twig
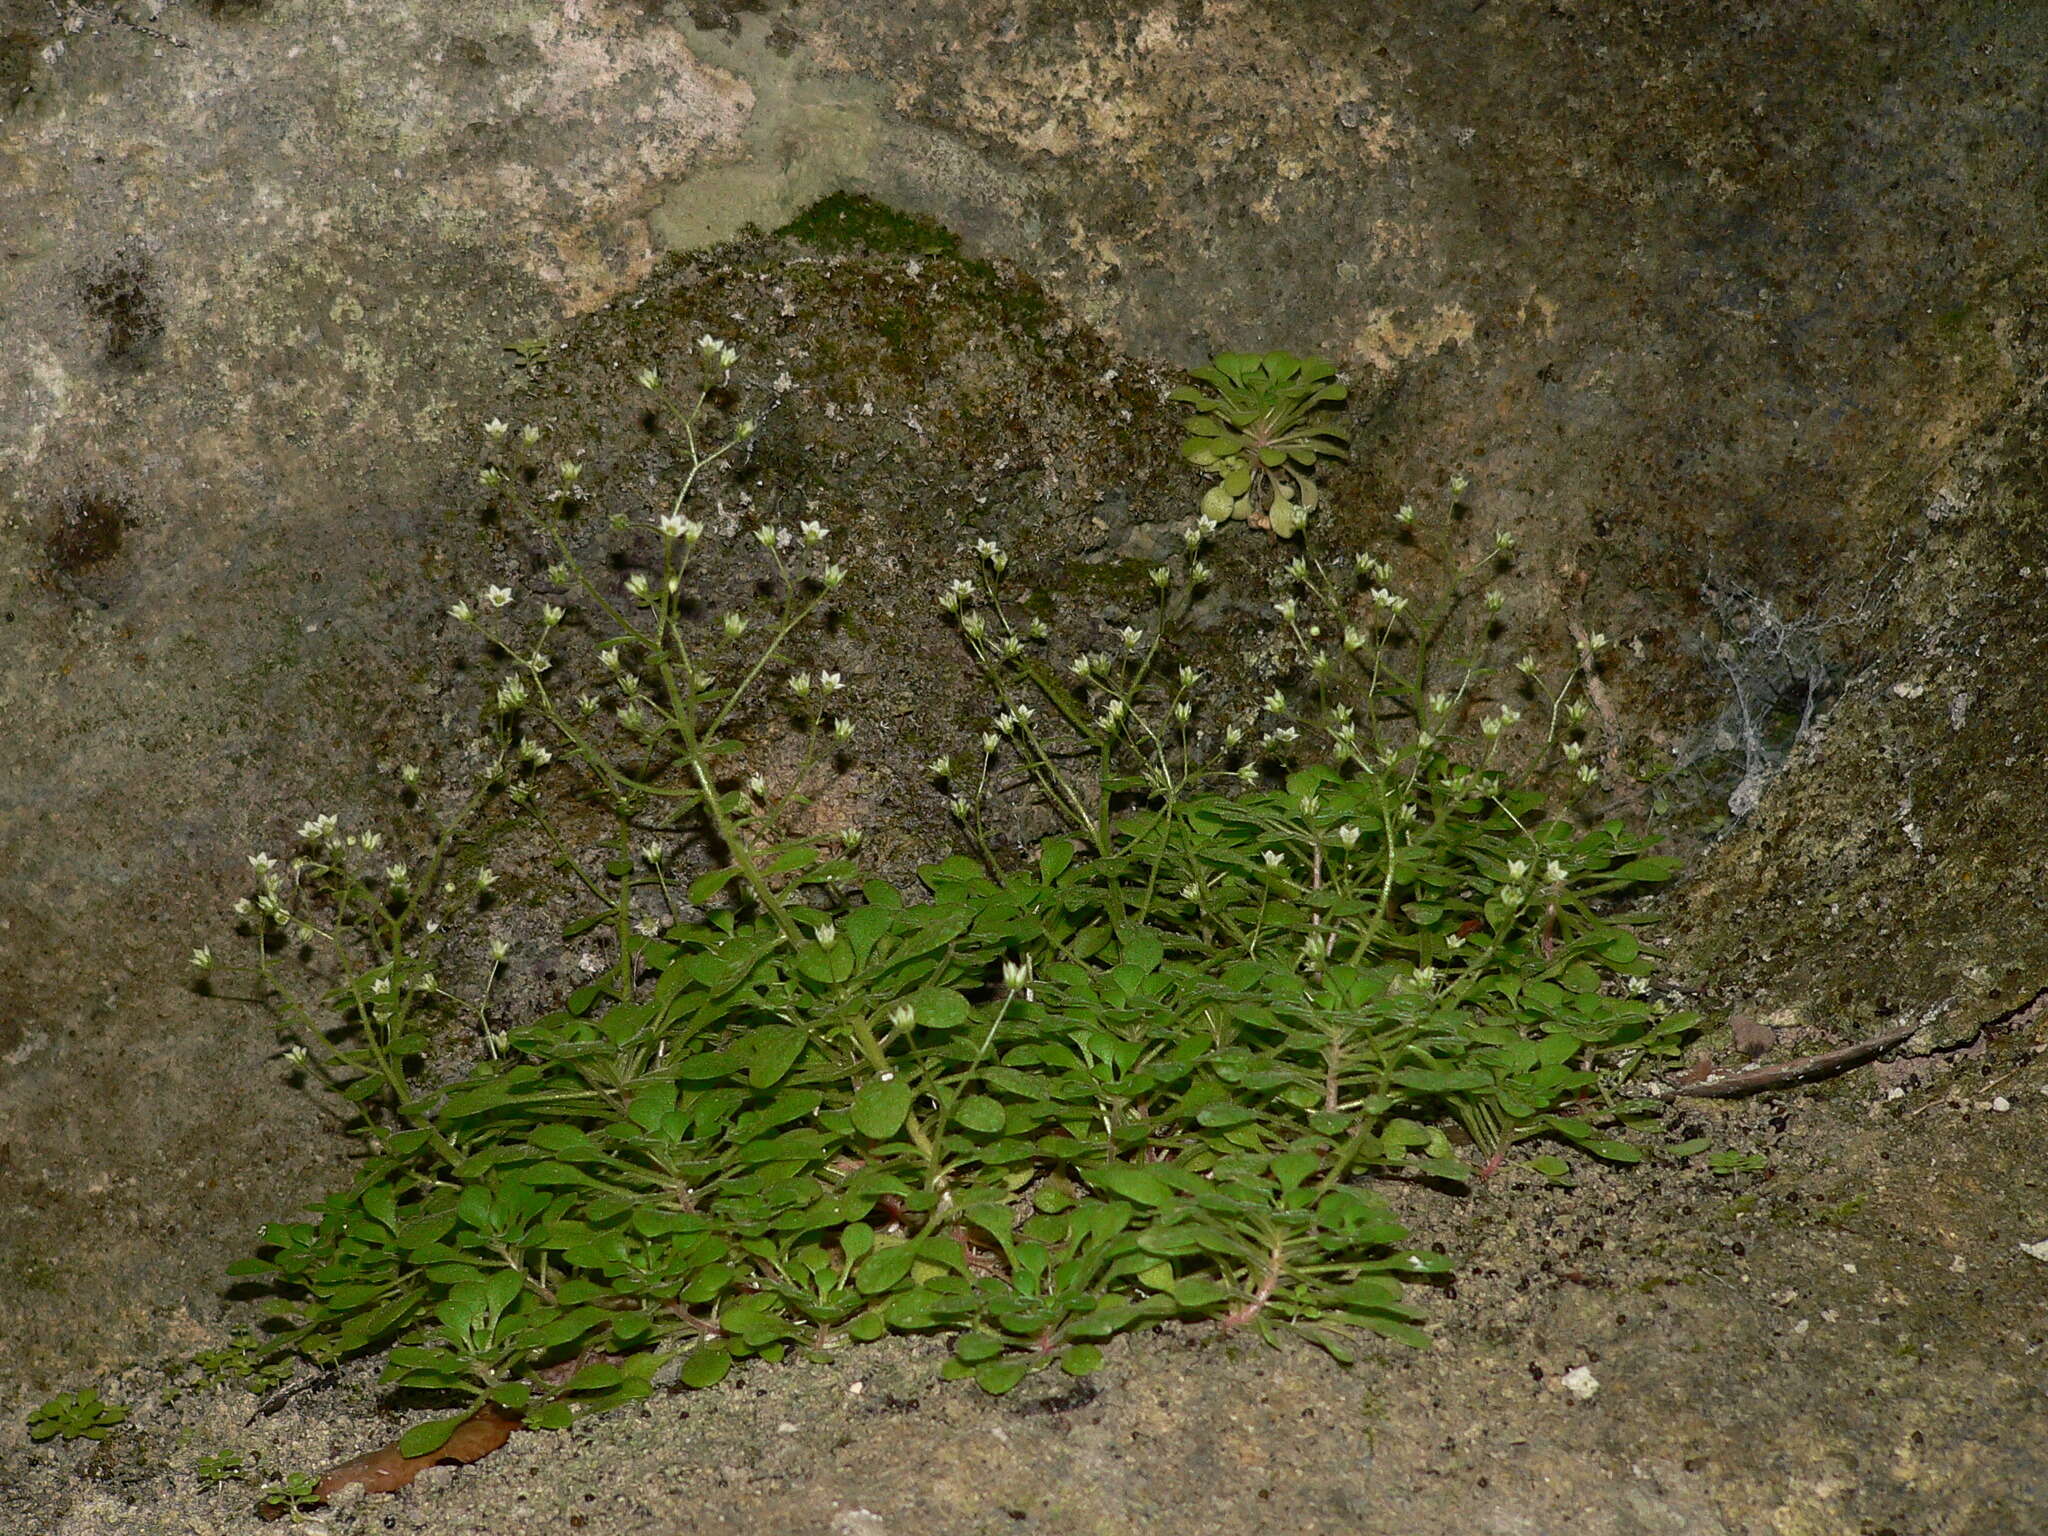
276	1399
1786	1073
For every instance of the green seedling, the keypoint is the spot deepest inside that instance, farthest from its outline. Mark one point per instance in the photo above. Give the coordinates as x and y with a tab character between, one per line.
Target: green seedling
1262	426
75	1416
225	1467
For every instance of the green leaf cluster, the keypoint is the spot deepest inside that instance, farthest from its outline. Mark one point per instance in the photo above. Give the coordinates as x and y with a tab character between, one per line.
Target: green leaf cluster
1163	1072
1031	1112
1262	425
75	1416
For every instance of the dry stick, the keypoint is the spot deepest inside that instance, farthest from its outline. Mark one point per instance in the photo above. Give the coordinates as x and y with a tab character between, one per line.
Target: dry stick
1805	1069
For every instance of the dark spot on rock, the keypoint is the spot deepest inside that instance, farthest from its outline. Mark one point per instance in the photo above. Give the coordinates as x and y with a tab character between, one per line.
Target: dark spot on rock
87	533
1079	1395
18	50
122	298
234	10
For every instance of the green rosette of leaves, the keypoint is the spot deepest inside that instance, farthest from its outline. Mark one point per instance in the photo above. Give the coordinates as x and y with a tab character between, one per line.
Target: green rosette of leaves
1264	423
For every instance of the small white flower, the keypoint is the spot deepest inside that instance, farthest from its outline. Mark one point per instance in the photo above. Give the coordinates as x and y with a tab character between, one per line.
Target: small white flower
903	1015
497	428
498	597
940	767
850	838
842	729
1287	608
1348	836
551	614
529	434
766	535
1017	973
654	852
648	378
1580	1382
827	935
202	959
1494	601
671	525
1130	635
461	613
1406	516
1276	702
1517	868
637	585
486	878
381	987
833	578
1503	541
395	873
243	906
296	1055
488	477
813	533
800	685
829	682
1554	872
1274	858
512	693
